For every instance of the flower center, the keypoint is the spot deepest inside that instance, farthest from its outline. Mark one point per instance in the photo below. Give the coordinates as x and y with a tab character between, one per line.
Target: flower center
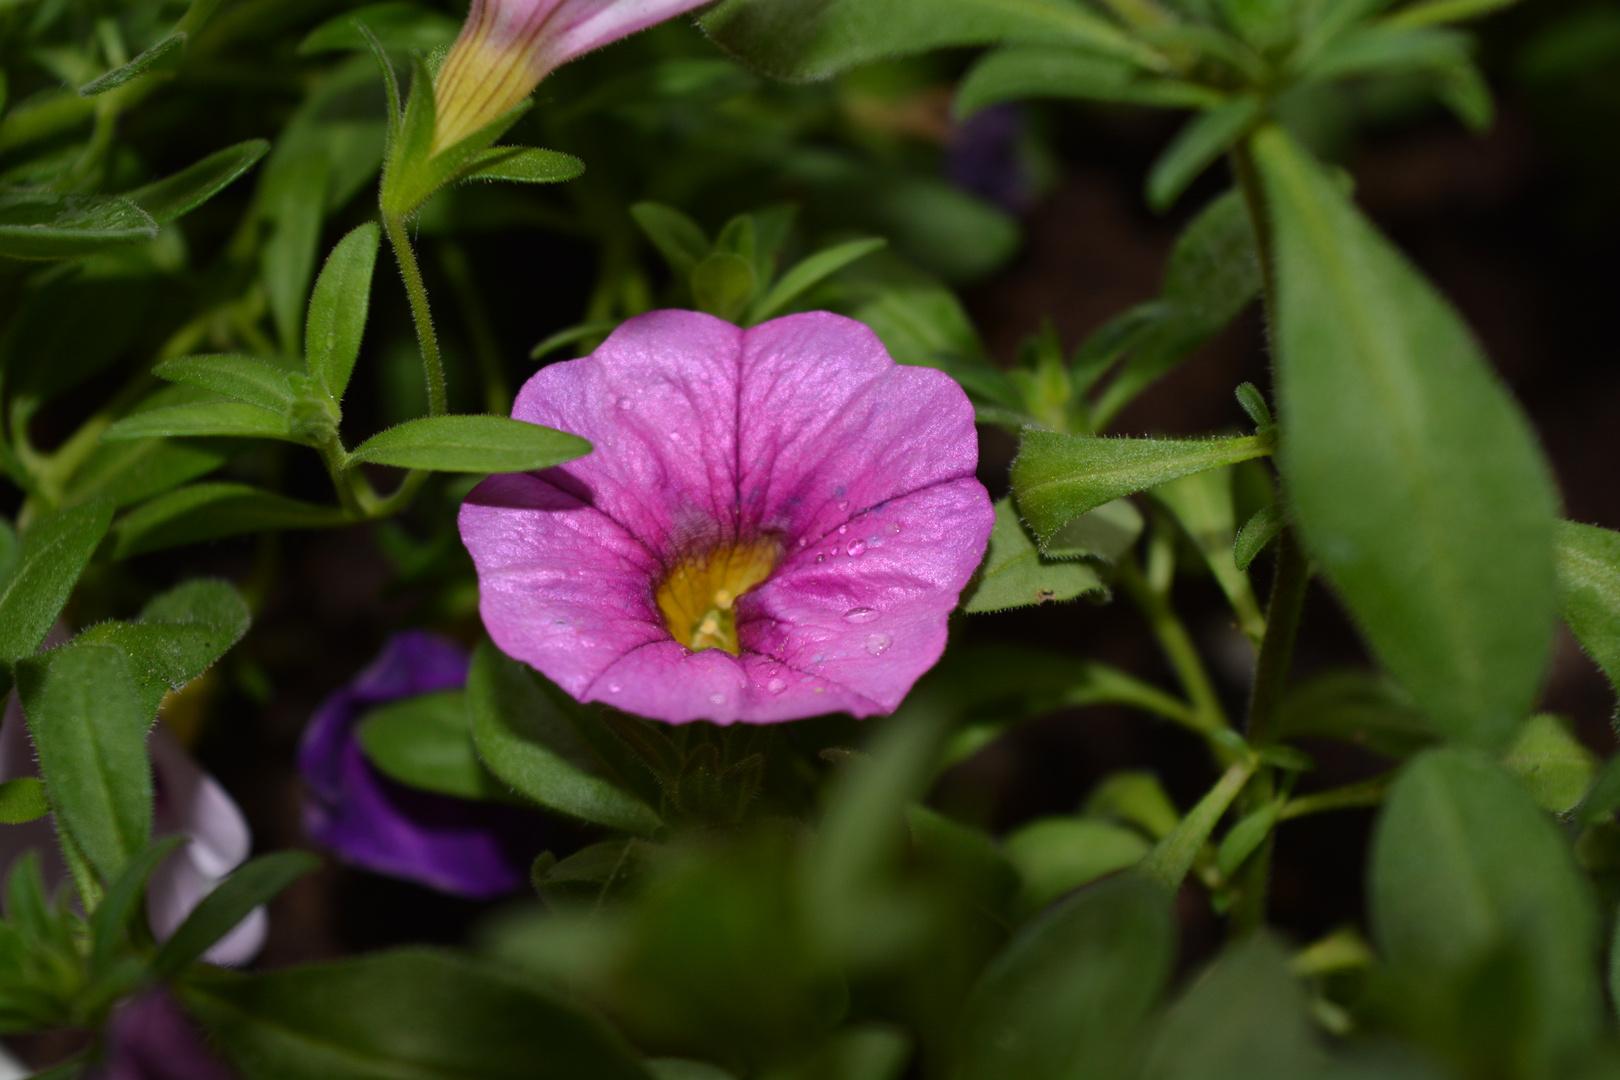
699	597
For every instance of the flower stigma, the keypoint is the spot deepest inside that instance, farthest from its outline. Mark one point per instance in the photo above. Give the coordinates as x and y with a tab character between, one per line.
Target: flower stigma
699	597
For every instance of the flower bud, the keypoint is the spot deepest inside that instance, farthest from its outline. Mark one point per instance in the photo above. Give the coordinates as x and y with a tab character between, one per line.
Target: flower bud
508	46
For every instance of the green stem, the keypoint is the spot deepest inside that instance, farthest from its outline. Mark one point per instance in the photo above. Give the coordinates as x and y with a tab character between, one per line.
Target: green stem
1169	862
432	364
1178	648
1350	797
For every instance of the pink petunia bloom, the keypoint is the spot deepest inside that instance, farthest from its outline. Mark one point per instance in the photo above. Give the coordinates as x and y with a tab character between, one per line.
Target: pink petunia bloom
774	523
508	46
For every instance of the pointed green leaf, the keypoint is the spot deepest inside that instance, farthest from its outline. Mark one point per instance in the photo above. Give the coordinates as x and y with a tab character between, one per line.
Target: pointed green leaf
1414	477
1551	762
241	377
180	194
677	237
1197	146
134	470
46	225
399	27
210	511
723	285
1022	72
1589	591
123	899
160	57
810	273
523	165
227	418
1356	707
259	882
1257	533
471	444
49	559
426	742
1015	574
1057	855
339	308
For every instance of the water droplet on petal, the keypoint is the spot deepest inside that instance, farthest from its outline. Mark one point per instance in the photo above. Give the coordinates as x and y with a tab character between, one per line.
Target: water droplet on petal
856	546
718	699
821	557
843	506
776	686
860	614
878	644
842	529
894	528
804	541
624	403
614	688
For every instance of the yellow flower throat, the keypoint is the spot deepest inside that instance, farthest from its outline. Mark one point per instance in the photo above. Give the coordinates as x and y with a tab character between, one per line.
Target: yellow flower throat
699	597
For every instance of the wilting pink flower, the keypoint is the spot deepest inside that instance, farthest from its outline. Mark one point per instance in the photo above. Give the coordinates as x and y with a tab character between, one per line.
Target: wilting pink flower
775	523
508	46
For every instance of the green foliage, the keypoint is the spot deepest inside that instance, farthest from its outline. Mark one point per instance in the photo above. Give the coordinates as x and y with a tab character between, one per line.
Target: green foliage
221	910
22	800
47	225
471	444
175	196
49	558
338	310
426	742
1589	591
1015	574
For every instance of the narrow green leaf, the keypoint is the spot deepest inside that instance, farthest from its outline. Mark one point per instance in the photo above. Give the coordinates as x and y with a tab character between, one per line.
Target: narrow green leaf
1196	147
222	418
180	194
525	738
84	712
46	225
1589	591
471	444
1244	837
723	285
1383	48
571	336
524	165
399	27
294	196
1552	763
1356	707
134	470
179	635
1169	862
1257	533
160	57
810	273
1465	869
1015	574
1203	506
1136	798
227	905
49	559
338	309
22	800
1021	72
677	237
123	899
251	381
211	511
1057	855
1437	12
1414	478
1072	994
426	742
1056	478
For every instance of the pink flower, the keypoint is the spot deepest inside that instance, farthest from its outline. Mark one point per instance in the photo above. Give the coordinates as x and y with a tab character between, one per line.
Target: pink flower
775	523
508	46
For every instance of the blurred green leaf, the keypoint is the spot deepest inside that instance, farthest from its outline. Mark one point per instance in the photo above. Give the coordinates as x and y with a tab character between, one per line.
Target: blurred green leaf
47	225
1356	707
527	738
163	56
1244	837
175	196
1057	855
425	742
408	1013
1136	798
1071	995
51	347
723	285
1015	574
1257	534
124	898
1467	873
523	165
84	711
808	274
1197	146
1172	858
338	310
225	418
471	444
1416	481
1203	505
677	237
399	27
1104	533
231	901
871	1052
1553	764
1056	478
682	1069
241	377
22	800
50	557
1021	72
212	511
293	196
1436	12
1589	591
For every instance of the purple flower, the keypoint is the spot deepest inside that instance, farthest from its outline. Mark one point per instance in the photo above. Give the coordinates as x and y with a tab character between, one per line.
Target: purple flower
507	46
775	523
151	1038
986	158
471	849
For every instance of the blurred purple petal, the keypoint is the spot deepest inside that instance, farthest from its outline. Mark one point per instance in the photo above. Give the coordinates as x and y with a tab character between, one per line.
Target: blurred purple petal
151	1038
986	158
471	849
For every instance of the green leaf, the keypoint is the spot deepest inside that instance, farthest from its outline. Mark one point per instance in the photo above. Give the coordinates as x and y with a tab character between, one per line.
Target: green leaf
227	418
84	711
1436	12
241	377
1414	478
527	738
1015	574
338	309
1589	591
1242	1019
1356	707
1135	798
399	27
180	194
293	197
471	444
801	40
1552	763
402	1015
46	225
1466	870
1057	855
523	165
677	237
1021	72
211	511
1104	533
227	905
22	800
1203	506
51	556
1173	857
1056	478
134	470
1071	995
1257	533
426	742
723	285
810	273
124	898
1196	147
163	56
1244	837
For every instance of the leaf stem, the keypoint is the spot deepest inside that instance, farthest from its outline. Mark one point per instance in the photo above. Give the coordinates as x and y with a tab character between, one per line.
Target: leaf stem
1208	715
1169	862
1350	797
432	364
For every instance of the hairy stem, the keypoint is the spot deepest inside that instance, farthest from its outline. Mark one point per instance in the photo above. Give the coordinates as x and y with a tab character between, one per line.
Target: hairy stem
432	364
1173	638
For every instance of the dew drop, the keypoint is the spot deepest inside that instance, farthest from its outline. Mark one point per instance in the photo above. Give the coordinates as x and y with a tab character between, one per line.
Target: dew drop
614	688
804	541
821	557
860	615
878	644
624	403
856	546
842	529
894	528
843	506
718	699
776	686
